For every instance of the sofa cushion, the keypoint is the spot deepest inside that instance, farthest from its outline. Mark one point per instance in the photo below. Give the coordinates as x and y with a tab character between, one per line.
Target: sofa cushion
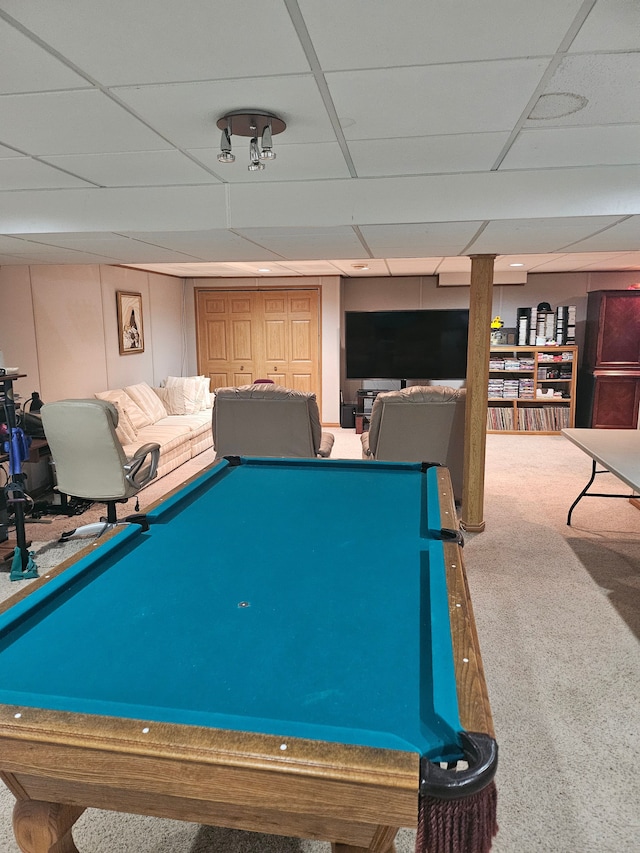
120	397
187	394
145	397
124	429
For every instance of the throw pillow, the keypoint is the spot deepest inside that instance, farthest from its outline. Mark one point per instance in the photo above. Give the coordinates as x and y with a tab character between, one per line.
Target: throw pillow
145	397
189	390
125	431
120	397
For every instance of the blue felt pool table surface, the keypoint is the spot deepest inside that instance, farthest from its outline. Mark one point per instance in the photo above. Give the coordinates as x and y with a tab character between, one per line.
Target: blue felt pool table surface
302	598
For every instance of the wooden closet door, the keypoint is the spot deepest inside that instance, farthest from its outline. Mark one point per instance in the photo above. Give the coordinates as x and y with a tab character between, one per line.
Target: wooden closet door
229	338
290	335
244	335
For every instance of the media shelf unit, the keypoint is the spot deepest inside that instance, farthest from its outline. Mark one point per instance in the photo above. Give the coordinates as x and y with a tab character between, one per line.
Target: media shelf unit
520	373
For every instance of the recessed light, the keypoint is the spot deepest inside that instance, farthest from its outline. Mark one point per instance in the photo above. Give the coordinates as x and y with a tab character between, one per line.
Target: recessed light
264	269
360	266
516	265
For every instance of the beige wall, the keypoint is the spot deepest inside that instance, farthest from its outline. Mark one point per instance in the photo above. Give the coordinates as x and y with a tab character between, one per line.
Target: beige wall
58	324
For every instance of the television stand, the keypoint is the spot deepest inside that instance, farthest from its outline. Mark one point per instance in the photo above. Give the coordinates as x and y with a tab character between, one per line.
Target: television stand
364	403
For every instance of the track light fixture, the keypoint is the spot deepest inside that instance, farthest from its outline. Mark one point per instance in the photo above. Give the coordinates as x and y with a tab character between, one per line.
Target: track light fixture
249	123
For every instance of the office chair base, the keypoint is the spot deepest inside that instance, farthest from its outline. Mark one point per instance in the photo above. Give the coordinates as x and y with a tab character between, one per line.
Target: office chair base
99	528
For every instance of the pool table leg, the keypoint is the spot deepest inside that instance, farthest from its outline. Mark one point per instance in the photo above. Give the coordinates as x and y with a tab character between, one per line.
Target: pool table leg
41	827
382	842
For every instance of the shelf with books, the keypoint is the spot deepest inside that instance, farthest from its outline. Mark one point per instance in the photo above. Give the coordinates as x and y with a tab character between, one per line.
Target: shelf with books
532	389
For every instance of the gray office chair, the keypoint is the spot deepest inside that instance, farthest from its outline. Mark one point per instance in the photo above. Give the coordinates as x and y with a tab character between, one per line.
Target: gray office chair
424	423
89	460
268	420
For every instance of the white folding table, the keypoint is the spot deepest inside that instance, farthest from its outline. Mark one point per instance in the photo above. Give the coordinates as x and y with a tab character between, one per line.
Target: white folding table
616	450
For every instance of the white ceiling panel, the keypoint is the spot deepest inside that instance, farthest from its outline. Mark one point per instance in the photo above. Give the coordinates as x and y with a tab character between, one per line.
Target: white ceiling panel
419	155
435	32
426	100
301	243
24	172
124	42
613	239
135	168
413	266
79	122
575	146
293	162
405	241
27	67
550	234
407	135
187	112
213	245
609	82
611	25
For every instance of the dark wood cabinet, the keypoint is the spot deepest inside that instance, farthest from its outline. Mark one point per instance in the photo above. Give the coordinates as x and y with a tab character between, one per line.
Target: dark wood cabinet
609	385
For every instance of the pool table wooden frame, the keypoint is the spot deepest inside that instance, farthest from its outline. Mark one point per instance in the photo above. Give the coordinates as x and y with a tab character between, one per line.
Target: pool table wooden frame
59	763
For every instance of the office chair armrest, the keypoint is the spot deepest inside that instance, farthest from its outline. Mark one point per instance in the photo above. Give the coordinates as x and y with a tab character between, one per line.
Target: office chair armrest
147	456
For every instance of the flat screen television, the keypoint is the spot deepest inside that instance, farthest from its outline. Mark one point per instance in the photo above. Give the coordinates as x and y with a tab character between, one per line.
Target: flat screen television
419	344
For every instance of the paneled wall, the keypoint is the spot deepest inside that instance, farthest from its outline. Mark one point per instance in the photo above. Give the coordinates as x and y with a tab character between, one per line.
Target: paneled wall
58	324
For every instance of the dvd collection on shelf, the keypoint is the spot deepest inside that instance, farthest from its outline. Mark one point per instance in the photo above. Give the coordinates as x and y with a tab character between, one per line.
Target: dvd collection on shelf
531	388
540	326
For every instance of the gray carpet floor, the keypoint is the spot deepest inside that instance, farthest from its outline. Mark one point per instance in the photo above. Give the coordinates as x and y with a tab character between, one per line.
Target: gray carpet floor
558	613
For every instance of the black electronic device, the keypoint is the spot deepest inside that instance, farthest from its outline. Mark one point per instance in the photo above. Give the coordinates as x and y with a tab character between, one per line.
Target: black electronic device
418	344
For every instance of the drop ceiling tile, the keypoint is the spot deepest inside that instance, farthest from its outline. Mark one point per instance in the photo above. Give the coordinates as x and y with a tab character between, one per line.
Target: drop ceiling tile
619	238
79	122
124	42
187	112
427	155
321	160
135	168
23	173
610	25
100	243
575	146
213	245
537	235
605	261
355	267
412	32
9	152
470	97
609	82
413	266
418	240
307	243
27	67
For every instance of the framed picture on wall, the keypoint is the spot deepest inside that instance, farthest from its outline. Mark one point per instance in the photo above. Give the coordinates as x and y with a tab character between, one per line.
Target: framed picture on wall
130	330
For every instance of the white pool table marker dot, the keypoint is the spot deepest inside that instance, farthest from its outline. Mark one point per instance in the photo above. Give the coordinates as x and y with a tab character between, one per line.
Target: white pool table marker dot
283	746
17	716
465	660
145	730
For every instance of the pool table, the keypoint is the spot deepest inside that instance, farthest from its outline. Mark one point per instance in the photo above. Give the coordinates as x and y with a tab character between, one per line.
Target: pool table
289	648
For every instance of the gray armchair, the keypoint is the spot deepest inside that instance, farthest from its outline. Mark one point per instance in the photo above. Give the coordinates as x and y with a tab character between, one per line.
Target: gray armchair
424	423
268	420
89	460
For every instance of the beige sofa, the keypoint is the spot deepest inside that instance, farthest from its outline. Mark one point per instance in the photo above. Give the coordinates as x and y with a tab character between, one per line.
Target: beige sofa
177	417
